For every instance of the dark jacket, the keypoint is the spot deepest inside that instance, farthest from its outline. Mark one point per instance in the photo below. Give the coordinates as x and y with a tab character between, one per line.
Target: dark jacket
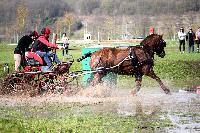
23	44
190	37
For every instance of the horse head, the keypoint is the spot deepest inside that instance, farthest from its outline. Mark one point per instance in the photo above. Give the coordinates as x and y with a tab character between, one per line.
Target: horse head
155	43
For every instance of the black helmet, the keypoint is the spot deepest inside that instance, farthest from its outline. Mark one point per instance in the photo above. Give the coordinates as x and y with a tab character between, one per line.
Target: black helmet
33	34
46	30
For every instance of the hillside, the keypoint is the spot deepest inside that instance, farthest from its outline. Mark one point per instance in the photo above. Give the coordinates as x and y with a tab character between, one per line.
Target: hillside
111	18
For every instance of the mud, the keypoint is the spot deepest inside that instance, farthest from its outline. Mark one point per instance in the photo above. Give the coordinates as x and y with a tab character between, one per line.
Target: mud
181	107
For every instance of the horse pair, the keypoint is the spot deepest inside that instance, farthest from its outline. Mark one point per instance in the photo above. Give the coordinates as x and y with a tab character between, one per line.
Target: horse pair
134	60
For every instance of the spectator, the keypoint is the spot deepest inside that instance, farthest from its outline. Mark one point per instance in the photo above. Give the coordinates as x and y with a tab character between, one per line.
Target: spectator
181	37
190	38
23	45
198	38
42	47
65	42
151	31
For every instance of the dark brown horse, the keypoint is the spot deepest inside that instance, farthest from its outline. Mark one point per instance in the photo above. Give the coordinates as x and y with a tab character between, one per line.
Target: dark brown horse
135	60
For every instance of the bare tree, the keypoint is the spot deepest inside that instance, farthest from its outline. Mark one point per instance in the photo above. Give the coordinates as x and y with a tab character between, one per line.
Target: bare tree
21	16
69	20
39	13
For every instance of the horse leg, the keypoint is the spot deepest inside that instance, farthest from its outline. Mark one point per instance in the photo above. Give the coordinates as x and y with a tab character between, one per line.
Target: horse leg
154	76
138	82
97	79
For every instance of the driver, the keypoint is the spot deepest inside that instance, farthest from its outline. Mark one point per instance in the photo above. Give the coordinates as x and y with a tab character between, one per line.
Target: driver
42	47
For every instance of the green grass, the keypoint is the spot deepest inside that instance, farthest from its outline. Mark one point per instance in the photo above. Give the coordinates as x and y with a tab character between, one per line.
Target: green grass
59	118
6	56
181	69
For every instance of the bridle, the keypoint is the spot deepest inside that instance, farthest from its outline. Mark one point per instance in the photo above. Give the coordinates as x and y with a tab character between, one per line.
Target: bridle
159	49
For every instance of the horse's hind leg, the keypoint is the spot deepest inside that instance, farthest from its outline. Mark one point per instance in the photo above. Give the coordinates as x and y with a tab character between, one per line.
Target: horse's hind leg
154	76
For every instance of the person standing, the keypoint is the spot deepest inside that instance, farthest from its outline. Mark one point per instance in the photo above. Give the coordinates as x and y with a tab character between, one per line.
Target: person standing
181	37
190	38
65	42
151	31
198	38
22	46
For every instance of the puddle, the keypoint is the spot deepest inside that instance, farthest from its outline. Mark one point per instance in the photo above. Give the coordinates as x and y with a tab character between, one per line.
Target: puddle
181	107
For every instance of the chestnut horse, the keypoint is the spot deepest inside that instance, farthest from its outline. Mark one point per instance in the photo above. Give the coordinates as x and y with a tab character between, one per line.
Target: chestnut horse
134	60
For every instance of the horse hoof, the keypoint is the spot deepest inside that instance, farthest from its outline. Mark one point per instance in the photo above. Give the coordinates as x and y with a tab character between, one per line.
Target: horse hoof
167	91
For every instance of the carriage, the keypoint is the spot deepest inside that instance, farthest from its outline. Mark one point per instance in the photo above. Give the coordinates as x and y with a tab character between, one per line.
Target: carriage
36	79
134	60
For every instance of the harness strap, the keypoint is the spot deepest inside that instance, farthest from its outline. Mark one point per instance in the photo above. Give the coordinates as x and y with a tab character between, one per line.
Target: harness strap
134	60
133	57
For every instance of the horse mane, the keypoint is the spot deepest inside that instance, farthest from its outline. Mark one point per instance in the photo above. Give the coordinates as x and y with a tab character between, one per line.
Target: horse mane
147	38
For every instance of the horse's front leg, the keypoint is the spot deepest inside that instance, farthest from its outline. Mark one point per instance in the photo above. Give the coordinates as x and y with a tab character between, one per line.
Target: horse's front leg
154	76
97	79
138	82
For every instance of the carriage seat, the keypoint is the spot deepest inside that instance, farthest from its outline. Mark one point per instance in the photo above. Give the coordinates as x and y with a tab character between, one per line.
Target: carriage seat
33	59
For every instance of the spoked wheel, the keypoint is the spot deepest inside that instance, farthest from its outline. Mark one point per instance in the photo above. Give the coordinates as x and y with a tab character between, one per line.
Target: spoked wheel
12	84
17	84
61	84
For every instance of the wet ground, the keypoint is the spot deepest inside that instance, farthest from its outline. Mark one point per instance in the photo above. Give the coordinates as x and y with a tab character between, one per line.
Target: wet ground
182	108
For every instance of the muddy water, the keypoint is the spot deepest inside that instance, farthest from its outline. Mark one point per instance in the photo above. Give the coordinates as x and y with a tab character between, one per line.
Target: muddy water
181	108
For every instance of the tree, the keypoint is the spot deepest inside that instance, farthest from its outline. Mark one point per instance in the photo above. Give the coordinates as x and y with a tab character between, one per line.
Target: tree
109	26
21	16
69	20
59	25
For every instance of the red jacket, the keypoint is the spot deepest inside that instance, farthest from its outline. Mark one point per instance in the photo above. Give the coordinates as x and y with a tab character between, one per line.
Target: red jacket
43	45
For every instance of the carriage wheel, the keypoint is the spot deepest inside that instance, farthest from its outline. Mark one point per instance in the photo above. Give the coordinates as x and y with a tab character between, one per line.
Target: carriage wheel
17	84
12	85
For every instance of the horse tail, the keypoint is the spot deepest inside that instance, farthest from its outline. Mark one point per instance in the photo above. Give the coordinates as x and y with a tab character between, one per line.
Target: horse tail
84	56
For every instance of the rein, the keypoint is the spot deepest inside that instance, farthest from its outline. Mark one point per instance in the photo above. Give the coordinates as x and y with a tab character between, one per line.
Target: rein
133	57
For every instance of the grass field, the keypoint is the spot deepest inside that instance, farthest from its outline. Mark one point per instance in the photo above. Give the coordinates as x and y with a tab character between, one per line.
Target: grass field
177	70
62	118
